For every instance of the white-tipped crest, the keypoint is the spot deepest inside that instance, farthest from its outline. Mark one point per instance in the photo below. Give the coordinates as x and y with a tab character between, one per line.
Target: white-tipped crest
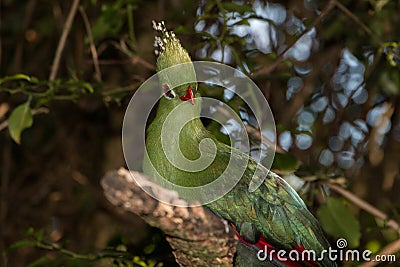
168	48
161	41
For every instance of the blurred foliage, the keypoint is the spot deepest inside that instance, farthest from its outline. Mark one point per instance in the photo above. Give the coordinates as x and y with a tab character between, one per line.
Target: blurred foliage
338	221
329	70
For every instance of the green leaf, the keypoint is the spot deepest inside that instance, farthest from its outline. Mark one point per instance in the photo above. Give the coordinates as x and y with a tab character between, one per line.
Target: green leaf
374	245
40	262
88	87
36	234
339	221
232	7
23	243
19	120
184	30
285	162
18	77
137	260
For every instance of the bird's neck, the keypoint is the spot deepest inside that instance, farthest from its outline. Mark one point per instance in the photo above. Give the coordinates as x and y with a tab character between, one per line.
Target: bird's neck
180	117
179	125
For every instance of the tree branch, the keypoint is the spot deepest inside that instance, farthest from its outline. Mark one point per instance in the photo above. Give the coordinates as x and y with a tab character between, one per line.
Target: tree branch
198	237
390	249
269	68
92	46
63	39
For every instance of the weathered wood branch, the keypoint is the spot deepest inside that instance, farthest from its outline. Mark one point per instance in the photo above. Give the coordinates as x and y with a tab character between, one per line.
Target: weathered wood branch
197	236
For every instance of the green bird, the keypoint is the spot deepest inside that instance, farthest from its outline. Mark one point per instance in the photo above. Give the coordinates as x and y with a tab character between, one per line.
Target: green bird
272	218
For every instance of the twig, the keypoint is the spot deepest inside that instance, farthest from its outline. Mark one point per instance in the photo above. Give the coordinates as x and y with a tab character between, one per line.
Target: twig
63	39
92	46
256	133
197	237
135	60
270	68
132	58
365	206
390	249
346	11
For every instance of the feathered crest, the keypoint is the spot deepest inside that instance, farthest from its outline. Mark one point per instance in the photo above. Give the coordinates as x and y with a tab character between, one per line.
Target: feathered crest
168	48
160	42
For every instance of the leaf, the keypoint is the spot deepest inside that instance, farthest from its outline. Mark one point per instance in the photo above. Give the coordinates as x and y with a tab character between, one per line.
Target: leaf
339	221
40	262
23	243
38	235
232	7
88	87
19	120
184	30
18	77
285	162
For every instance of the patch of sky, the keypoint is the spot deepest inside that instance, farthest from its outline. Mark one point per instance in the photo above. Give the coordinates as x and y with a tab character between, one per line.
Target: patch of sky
301	51
345	159
326	157
294	84
335	143
233	128
222	55
303	69
319	104
345	130
303	141
329	115
361	124
229	93
285	140
305	118
360	96
349	76
269	135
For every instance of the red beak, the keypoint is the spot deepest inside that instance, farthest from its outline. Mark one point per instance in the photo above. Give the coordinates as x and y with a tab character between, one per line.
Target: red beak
189	95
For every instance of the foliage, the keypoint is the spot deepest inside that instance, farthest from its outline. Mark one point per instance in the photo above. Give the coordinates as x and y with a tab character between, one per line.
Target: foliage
20	119
117	256
338	221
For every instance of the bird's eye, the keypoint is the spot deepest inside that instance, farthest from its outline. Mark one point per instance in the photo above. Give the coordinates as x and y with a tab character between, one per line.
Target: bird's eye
168	93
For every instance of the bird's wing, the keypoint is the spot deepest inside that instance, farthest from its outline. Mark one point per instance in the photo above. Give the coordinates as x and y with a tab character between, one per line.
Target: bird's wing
274	210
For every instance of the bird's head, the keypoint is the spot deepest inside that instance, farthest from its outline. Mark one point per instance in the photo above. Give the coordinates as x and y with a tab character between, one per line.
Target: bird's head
171	53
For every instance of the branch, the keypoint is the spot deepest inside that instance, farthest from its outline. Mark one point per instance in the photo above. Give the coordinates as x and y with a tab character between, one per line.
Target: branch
92	46
390	249
197	237
365	28
63	39
268	69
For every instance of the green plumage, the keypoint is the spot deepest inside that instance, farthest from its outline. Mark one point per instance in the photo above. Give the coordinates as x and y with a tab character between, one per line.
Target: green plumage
274	210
